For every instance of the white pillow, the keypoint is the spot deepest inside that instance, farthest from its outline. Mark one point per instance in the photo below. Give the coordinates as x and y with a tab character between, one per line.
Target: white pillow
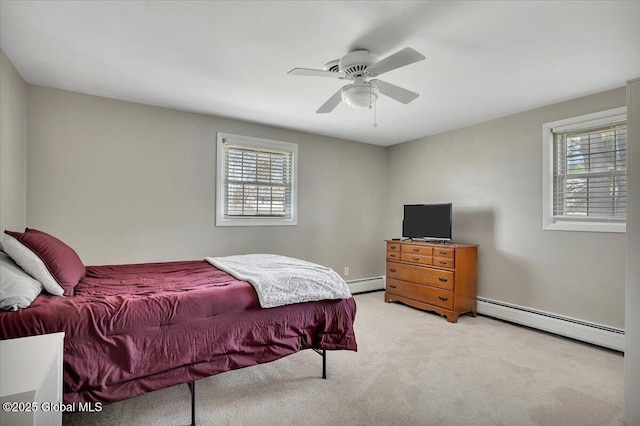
17	289
31	263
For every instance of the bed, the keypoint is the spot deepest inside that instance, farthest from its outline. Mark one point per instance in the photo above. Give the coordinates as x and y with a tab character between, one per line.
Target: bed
132	329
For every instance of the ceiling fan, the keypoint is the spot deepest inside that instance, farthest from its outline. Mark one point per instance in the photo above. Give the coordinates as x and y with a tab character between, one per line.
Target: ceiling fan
361	67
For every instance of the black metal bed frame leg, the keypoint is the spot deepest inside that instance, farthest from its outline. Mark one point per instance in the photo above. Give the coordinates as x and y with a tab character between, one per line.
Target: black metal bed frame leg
324	364
323	354
192	389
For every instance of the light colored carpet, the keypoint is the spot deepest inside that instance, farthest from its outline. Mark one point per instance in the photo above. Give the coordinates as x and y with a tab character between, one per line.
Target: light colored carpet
412	368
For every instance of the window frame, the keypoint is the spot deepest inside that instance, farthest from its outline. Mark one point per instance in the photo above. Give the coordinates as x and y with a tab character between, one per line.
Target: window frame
549	222
261	144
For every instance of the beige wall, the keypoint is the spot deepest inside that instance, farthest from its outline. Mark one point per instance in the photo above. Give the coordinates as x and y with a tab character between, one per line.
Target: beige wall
124	182
13	143
492	172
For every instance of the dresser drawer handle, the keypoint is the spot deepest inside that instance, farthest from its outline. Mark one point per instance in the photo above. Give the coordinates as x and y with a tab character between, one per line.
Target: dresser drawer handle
443	252
444	299
416	249
393	285
443	263
416	258
393	270
392	255
393	247
444	280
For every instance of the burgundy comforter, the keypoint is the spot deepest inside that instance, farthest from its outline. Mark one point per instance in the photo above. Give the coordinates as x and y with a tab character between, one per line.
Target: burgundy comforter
132	329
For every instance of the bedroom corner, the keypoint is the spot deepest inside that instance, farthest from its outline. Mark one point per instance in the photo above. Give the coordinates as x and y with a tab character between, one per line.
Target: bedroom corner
13	146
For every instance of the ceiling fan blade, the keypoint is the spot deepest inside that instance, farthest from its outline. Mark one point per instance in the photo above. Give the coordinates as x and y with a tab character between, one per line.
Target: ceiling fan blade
316	73
395	92
399	59
332	103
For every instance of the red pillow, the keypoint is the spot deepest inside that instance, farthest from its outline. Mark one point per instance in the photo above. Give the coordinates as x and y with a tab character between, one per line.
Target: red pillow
60	259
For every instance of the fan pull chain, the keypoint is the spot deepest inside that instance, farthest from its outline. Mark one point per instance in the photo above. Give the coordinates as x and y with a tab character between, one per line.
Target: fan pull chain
375	115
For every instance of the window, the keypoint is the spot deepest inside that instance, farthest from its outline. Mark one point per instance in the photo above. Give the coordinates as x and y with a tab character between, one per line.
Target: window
256	181
585	179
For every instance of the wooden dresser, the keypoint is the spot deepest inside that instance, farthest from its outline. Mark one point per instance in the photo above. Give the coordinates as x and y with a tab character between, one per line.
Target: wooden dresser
433	276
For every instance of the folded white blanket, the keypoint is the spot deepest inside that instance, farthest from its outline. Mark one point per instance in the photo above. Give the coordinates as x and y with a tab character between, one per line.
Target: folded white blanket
281	280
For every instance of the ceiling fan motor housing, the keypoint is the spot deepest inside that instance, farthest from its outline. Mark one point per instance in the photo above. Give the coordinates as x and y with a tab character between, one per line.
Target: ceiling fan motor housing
333	66
355	63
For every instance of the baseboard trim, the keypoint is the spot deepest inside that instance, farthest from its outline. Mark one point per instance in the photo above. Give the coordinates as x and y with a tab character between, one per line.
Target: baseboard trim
366	284
597	334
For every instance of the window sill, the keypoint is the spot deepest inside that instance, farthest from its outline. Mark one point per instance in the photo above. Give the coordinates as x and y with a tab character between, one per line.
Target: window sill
251	221
586	227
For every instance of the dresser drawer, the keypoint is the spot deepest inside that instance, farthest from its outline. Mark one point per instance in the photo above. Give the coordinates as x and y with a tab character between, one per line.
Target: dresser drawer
420	275
393	254
445	262
422	293
393	246
416	249
416	258
444	252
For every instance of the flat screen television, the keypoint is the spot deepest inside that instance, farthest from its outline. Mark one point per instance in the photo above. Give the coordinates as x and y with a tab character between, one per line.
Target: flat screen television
429	222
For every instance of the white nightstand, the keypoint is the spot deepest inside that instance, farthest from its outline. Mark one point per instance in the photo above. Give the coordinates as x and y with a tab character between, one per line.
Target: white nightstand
31	376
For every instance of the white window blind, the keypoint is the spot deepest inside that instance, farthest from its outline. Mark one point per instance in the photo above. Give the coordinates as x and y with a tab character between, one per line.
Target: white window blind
256	181
590	173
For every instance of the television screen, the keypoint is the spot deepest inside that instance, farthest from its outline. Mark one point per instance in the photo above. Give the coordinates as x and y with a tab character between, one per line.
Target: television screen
427	221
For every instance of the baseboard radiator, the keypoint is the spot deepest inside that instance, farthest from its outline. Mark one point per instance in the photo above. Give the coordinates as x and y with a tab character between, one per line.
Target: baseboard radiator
366	284
608	337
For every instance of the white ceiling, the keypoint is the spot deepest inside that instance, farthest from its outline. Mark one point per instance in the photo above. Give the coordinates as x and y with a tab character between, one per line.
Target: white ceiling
230	59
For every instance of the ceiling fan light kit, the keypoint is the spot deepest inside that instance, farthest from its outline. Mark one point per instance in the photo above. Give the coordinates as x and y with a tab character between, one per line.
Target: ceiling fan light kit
360	95
359	66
